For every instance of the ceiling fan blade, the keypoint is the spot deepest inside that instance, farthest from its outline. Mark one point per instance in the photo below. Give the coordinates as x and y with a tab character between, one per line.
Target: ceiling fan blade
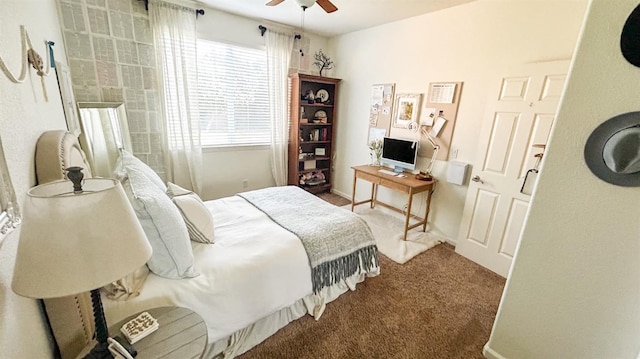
274	2
327	5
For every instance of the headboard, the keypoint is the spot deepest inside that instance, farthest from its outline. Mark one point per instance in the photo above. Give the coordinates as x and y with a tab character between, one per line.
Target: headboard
71	318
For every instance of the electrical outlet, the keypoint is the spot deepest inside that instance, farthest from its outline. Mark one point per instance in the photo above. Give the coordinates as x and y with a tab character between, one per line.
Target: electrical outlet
245	183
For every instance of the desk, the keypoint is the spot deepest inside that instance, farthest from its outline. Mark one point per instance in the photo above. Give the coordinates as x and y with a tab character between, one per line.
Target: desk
408	185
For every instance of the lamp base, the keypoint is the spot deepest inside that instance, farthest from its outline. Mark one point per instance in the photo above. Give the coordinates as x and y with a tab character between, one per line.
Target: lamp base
100	351
423	176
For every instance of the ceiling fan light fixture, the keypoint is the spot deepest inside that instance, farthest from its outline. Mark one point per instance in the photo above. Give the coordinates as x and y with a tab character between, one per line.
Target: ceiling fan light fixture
306	3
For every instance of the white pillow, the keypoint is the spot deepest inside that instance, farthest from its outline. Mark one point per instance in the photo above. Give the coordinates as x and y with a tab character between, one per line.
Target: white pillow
163	224
197	217
129	286
127	160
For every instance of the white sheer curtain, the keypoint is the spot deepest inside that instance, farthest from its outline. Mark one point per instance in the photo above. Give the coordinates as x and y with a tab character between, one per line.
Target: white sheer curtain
175	36
279	47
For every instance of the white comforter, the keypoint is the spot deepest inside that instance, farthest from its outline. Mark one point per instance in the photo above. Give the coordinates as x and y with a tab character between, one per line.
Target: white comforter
254	268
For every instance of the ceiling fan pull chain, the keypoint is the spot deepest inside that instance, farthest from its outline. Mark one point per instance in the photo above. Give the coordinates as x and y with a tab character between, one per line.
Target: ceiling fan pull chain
302	25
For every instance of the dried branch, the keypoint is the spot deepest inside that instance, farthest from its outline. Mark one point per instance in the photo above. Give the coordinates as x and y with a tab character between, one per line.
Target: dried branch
323	62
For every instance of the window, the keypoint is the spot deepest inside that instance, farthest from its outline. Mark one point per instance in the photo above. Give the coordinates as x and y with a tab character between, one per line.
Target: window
233	95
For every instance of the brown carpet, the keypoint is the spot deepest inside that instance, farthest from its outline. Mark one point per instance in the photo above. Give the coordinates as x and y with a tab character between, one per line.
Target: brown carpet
334	198
438	305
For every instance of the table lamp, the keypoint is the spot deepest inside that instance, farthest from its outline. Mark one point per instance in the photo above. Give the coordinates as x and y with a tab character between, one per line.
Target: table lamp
436	149
77	237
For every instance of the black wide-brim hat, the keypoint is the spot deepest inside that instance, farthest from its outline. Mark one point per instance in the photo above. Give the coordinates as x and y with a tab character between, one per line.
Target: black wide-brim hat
612	151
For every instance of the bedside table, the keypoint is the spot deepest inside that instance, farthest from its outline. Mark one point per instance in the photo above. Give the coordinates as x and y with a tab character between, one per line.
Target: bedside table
181	334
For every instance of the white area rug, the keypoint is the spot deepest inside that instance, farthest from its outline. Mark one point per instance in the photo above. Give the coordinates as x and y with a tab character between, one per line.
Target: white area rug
388	228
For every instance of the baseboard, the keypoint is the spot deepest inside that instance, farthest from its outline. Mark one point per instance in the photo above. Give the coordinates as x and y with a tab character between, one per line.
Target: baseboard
489	353
343	195
450	241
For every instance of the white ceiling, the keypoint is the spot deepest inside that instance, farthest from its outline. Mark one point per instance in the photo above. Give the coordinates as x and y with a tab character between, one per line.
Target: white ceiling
352	15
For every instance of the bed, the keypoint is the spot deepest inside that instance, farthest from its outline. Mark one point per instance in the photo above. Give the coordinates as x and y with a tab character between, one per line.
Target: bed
268	264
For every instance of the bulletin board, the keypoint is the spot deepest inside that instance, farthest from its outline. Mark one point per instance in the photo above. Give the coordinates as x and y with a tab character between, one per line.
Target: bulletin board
442	98
381	107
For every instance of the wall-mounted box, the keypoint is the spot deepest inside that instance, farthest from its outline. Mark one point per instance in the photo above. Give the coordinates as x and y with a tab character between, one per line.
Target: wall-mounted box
457	172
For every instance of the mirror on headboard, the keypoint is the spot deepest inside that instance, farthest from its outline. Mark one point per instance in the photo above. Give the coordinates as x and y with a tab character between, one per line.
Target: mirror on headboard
105	131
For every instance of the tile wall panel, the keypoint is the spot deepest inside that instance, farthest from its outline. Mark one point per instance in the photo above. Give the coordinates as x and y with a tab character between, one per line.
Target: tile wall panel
112	59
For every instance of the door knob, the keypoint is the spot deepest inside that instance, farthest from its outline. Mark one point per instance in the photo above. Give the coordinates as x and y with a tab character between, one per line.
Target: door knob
476	178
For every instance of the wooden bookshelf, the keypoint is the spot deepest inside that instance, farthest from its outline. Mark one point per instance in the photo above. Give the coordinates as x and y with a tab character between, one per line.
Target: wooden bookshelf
312	131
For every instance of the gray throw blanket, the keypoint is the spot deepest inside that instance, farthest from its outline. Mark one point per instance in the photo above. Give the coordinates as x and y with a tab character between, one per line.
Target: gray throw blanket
338	242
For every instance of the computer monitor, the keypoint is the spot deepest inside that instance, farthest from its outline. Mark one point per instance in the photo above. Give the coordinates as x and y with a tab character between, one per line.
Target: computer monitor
399	153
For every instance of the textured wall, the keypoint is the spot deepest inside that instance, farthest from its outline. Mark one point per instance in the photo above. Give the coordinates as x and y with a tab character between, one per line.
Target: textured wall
112	59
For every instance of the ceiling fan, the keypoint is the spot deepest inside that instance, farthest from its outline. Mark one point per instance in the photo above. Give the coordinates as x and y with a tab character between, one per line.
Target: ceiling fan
324	4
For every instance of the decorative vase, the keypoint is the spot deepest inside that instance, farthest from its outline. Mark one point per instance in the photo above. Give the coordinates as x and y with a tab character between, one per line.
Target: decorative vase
376	158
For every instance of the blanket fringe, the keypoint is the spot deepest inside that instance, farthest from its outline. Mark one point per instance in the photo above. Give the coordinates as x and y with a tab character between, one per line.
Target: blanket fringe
329	273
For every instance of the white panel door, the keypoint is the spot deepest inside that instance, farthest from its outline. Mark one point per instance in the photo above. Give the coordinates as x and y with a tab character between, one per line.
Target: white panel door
520	113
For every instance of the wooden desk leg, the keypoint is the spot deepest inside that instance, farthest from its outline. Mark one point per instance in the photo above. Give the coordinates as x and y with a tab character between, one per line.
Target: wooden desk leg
374	195
406	221
353	191
426	211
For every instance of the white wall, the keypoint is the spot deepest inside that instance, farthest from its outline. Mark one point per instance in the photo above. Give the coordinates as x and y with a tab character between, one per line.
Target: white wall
574	288
24	115
471	43
227	168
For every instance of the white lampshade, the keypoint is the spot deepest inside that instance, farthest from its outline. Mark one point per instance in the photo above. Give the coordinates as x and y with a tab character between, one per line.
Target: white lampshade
73	243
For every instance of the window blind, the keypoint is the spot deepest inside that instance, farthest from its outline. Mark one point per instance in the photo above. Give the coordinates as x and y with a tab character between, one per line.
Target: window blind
233	95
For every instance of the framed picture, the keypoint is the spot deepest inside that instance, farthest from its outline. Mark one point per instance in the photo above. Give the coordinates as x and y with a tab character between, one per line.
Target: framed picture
309	164
320	151
68	100
405	109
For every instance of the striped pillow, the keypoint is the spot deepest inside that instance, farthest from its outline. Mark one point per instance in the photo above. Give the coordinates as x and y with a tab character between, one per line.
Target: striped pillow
195	214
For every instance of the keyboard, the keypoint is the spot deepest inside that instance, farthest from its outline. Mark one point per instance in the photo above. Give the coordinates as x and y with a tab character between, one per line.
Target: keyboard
387	172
